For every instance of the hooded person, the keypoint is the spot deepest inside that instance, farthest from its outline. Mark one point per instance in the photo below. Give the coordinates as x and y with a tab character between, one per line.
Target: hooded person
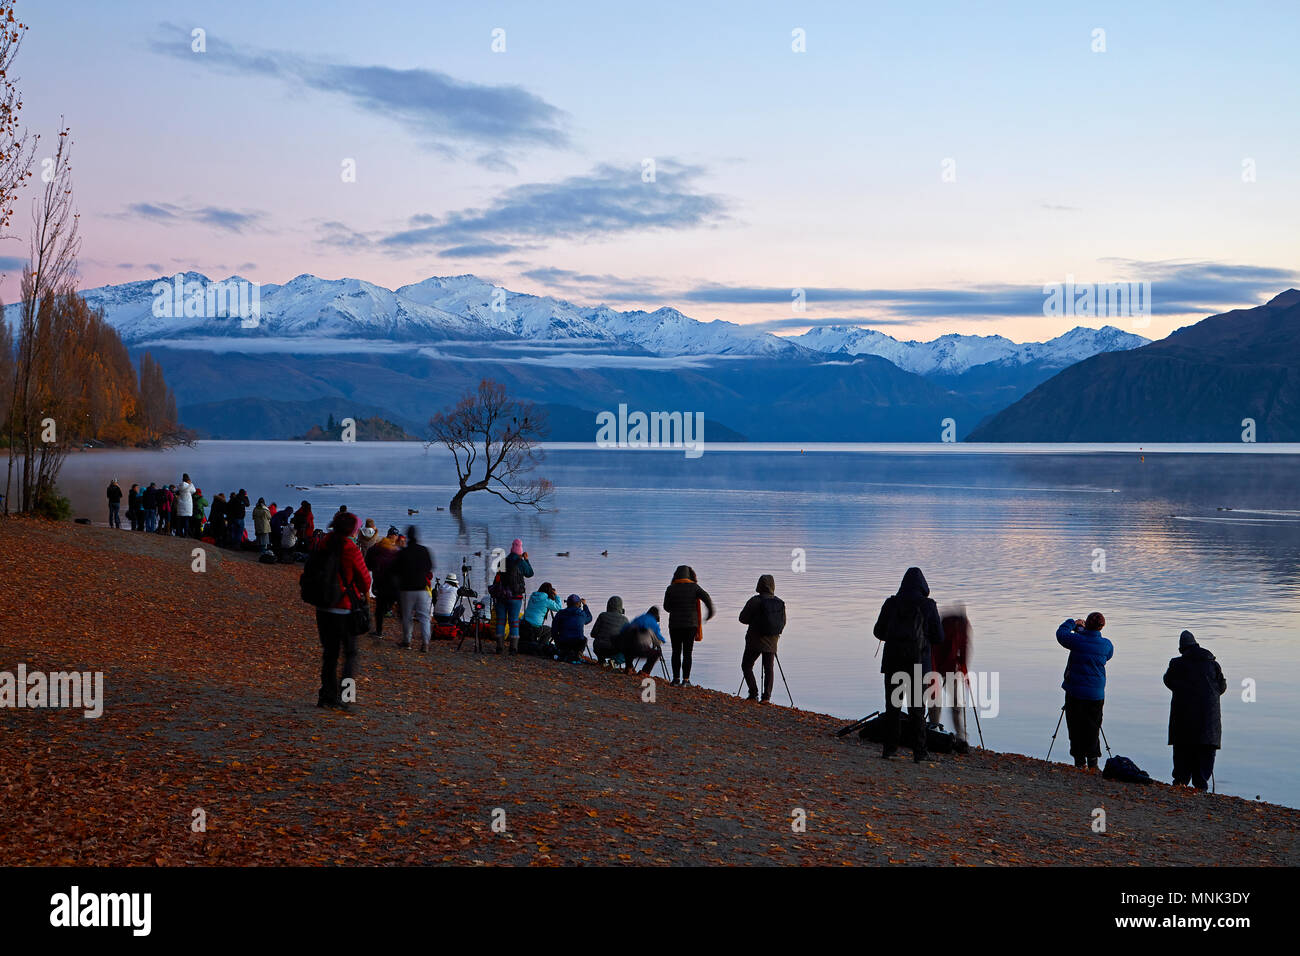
1085	684
412	573
909	625
764	613
511	600
379	559
532	629
567	629
1195	719
682	600
262	524
149	505
133	508
217	518
641	638
604	633
184	506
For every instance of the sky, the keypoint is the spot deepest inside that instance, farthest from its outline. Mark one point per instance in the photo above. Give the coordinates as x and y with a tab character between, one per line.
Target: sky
919	169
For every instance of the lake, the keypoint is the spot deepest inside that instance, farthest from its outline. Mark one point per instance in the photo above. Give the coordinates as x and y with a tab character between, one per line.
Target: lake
1013	532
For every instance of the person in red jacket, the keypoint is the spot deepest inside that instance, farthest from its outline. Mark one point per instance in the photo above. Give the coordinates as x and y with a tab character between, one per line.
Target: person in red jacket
334	624
951	662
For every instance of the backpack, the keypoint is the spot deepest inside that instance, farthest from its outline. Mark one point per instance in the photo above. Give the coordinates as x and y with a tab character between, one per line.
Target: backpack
937	740
770	619
907	636
319	584
1124	770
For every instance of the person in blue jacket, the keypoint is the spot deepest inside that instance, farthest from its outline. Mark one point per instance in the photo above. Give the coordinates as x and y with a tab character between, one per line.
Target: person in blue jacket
1085	685
641	638
566	629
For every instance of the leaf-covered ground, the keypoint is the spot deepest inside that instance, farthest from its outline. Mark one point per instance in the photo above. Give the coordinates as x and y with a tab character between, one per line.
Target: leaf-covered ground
210	686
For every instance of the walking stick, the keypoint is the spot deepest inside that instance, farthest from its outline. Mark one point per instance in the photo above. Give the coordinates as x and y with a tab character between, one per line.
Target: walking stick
976	711
1103	737
1054	733
781	670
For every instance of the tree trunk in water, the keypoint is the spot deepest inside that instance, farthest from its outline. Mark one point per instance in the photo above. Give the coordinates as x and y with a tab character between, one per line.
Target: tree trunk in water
455	506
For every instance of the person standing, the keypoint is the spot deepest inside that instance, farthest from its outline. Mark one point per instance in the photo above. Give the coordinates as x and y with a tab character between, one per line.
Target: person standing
765	615
515	585
200	510
149	499
236	508
1195	719
909	625
334	622
184	506
133	508
950	664
262	524
217	519
166	497
1085	684
682	601
412	575
115	505
379	559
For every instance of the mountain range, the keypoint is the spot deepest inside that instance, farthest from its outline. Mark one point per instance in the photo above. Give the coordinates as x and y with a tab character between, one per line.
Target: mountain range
350	347
1226	377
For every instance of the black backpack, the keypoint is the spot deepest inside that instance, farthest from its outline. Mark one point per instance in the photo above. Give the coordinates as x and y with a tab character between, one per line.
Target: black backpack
1124	770
319	582
907	632
771	615
937	740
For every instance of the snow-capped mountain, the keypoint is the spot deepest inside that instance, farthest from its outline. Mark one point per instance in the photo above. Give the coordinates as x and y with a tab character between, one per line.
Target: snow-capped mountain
437	309
954	354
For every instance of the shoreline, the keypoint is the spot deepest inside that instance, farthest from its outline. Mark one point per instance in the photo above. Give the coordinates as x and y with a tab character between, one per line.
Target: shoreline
210	687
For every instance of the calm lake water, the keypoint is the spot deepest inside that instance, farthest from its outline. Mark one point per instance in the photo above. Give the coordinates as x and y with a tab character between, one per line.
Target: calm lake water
1011	532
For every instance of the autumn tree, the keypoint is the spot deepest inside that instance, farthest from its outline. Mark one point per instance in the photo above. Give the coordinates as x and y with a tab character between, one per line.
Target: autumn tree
50	272
494	441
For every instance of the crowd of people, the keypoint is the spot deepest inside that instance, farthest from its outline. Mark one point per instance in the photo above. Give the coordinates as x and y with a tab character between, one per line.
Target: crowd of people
398	574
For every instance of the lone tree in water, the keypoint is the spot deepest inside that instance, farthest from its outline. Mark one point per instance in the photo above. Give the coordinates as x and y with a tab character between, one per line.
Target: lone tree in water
492	434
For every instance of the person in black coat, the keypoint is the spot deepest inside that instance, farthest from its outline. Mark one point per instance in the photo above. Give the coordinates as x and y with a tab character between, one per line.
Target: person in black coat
909	624
1195	720
685	601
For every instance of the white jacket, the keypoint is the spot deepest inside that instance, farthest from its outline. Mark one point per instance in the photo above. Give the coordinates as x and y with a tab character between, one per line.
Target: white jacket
446	599
185	500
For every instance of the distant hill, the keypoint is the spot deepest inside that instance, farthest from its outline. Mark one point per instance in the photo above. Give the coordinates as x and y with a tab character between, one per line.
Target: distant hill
373	428
1197	385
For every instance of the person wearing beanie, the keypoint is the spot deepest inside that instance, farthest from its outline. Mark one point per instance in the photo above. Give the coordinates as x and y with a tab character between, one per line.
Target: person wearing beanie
567	629
368	535
1195	720
1085	684
511	600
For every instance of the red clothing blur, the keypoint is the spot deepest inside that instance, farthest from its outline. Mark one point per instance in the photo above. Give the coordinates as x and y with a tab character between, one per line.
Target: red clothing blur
352	570
953	655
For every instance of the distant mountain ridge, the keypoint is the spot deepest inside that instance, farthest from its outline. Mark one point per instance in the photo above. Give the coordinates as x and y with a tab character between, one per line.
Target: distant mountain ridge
1207	382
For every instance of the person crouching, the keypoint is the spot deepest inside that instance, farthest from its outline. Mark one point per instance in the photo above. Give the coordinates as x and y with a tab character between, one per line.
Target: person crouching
566	629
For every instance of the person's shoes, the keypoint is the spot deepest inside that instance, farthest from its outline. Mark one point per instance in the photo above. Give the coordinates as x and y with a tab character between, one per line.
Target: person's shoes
919	756
424	648
324	702
675	683
1080	762
686	683
961	747
889	753
1092	763
403	643
766	700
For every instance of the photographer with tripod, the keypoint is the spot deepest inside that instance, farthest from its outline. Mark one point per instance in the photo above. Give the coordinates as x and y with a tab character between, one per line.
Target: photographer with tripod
1085	684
